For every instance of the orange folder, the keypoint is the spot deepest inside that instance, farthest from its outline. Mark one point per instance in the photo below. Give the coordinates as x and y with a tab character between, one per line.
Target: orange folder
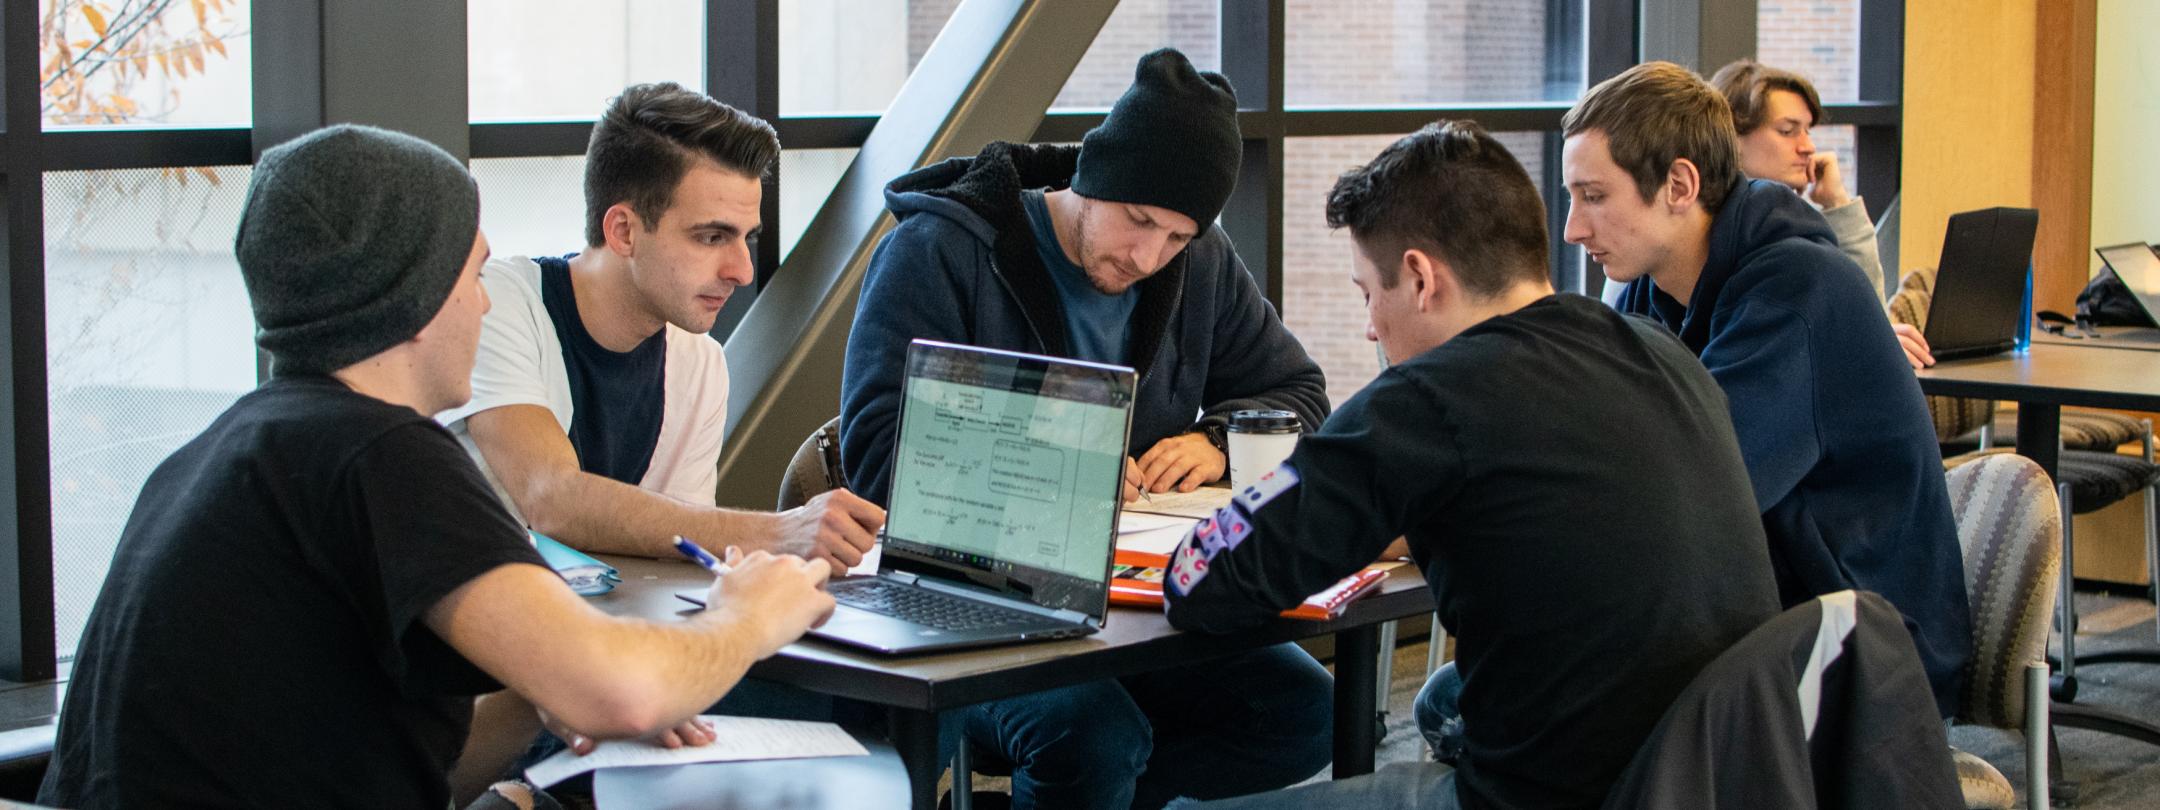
1136	581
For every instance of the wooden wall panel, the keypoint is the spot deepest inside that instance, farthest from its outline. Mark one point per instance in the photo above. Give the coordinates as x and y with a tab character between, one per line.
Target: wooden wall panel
1969	106
2062	156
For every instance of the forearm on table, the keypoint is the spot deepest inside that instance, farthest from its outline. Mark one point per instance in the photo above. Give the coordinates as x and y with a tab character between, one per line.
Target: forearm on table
599	515
604	676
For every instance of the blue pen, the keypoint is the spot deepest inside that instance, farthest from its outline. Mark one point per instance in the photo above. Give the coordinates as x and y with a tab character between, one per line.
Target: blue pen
701	556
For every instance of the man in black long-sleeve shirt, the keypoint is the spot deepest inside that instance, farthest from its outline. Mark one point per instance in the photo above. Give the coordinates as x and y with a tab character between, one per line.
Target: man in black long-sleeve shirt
1567	478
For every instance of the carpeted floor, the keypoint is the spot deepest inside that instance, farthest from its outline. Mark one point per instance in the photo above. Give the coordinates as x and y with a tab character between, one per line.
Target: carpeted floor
2103	772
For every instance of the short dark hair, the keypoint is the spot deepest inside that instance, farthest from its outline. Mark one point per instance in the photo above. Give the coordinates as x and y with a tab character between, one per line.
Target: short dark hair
1453	190
1747	85
647	140
1655	113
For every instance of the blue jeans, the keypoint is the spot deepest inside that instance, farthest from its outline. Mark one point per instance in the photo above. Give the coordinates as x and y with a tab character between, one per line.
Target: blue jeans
1439	718
1252	722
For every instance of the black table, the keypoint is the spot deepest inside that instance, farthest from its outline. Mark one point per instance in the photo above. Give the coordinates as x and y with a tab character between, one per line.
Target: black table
2043	379
915	689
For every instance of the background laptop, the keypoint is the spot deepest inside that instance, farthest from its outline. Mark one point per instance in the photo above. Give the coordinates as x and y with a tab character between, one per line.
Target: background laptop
1004	506
1980	283
2139	270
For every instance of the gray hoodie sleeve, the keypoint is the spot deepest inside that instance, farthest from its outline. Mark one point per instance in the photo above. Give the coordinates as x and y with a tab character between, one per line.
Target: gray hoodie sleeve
1856	239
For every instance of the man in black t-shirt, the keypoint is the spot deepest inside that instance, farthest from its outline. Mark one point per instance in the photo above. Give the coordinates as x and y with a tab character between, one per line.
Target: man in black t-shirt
308	595
1563	474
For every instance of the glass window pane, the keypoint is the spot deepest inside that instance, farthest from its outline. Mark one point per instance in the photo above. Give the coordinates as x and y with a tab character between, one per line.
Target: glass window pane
841	56
536	60
532	206
148	337
144	63
1320	305
807	177
1135	28
1380	52
1819	39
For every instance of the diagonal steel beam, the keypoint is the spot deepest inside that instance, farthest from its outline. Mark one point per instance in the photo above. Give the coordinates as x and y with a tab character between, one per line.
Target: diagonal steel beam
990	76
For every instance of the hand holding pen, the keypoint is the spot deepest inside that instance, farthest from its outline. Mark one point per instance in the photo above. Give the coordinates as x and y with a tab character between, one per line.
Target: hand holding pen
774	598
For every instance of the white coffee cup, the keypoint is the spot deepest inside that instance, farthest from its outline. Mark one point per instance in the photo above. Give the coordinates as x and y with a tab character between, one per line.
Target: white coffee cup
1259	442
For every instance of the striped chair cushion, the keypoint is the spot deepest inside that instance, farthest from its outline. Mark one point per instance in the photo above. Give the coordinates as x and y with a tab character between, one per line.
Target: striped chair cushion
2081	430
2097	480
2009	531
1953	416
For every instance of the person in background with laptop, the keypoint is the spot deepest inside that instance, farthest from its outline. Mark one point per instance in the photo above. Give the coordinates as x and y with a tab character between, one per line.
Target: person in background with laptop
1625	489
598	399
1107	252
1831	421
309	594
1775	113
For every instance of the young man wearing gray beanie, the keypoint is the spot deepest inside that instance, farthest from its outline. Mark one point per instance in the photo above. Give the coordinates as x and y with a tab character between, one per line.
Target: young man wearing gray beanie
324	571
1107	252
599	401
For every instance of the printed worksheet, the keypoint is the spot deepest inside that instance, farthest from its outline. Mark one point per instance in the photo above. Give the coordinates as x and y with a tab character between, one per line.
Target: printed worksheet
735	739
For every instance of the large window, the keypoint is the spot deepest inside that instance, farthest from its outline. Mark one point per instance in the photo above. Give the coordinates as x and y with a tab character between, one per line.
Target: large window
532	206
143	63
148	336
536	60
1136	28
849	57
1404	52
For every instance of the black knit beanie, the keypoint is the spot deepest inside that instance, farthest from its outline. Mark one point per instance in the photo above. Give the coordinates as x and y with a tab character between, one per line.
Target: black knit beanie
1171	141
350	242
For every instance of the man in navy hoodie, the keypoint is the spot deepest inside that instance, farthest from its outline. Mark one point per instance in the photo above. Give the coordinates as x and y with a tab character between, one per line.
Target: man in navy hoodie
1108	253
1830	419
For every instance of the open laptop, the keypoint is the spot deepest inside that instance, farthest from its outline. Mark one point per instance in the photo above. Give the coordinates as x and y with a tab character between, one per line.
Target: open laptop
1980	283
1003	515
2138	268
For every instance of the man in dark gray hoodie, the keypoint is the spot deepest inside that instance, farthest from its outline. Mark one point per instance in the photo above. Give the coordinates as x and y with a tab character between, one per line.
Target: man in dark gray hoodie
1108	253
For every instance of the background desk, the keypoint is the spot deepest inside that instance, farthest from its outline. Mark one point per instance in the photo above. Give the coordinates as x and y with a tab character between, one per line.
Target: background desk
915	689
2042	379
2046	377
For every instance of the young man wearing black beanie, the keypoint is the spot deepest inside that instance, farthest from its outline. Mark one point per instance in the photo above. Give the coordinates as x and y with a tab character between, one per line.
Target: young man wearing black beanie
323	571
1107	252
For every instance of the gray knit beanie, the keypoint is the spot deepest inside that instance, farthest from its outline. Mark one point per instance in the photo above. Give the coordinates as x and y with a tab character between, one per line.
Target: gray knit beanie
1171	141
350	242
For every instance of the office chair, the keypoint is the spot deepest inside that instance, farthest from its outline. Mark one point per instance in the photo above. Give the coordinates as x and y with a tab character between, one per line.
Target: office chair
2008	521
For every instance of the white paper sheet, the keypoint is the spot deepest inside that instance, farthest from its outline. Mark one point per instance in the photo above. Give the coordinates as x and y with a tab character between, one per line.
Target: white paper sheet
1132	522
1162	540
736	739
1198	503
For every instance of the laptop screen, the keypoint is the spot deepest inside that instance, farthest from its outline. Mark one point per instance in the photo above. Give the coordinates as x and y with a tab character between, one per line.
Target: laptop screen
1007	472
2139	270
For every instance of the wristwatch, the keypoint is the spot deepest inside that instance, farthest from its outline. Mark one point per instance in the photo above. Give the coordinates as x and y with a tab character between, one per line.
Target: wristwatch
1216	435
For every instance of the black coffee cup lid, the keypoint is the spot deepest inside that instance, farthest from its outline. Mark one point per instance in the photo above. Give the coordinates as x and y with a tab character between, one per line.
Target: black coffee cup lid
1264	421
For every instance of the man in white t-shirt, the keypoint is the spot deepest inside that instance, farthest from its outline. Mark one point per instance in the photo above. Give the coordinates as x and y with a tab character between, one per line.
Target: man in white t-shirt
598	400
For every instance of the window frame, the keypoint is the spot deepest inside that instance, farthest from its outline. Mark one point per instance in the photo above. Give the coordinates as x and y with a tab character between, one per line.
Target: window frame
742	68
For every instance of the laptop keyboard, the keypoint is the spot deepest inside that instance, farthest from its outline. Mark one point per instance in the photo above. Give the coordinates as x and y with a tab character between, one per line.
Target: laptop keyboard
926	607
